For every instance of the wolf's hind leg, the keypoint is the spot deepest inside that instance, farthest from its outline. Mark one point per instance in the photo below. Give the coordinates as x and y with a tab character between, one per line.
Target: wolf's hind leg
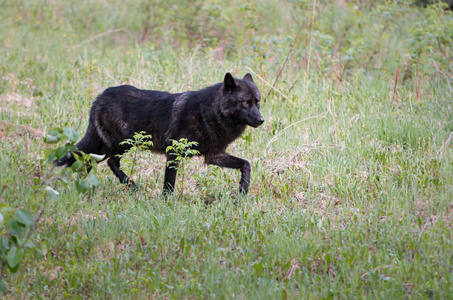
114	164
229	161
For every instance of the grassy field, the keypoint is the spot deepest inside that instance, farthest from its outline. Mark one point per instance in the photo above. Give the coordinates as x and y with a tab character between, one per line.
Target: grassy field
352	172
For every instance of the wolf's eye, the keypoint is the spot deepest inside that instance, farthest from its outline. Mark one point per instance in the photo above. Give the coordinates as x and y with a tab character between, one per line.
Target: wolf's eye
247	102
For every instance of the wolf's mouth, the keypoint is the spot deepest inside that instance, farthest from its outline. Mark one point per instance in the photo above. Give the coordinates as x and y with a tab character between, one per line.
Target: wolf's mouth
255	123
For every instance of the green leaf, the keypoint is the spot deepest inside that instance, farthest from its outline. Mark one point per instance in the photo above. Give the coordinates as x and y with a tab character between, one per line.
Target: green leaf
94	180
23	217
71	134
53	193
17	228
51	157
65	175
82	185
71	147
61	151
4	244
48	152
94	165
30	245
55	133
14	256
44	248
37	253
3	288
15	269
50	139
76	165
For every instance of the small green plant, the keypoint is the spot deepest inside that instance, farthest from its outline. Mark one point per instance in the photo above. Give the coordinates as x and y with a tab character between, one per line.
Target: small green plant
139	142
16	228
430	44
84	162
182	151
17	225
255	22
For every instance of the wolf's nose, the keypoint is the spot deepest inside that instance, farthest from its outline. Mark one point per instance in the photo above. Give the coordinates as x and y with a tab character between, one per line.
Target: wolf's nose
261	120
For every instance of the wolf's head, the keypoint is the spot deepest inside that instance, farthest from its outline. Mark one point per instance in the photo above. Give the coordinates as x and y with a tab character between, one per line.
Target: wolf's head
242	99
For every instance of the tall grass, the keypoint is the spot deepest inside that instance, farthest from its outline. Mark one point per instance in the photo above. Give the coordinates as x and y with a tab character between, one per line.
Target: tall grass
352	178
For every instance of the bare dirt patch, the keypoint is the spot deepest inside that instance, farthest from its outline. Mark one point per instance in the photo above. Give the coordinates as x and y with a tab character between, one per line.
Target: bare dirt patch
8	129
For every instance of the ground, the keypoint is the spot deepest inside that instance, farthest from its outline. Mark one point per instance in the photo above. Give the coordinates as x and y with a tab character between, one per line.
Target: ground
352	175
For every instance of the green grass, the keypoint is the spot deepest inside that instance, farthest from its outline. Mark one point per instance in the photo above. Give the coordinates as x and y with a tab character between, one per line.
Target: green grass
351	187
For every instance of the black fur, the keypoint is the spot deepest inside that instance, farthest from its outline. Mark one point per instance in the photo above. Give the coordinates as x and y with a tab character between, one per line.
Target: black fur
214	117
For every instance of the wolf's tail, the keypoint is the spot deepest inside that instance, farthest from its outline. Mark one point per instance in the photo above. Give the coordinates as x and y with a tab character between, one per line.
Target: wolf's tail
90	143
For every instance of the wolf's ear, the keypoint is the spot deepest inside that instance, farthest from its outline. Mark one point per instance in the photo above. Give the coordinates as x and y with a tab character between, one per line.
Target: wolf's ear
248	78
229	82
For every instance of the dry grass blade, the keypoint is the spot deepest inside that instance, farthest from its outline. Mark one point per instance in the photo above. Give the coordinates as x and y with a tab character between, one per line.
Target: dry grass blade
289	126
283	95
97	36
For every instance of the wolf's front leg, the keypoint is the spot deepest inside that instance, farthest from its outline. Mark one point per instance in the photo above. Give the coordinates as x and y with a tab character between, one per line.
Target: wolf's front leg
114	164
171	169
229	161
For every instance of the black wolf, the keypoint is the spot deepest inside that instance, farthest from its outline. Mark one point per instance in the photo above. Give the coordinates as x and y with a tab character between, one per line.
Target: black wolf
213	117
